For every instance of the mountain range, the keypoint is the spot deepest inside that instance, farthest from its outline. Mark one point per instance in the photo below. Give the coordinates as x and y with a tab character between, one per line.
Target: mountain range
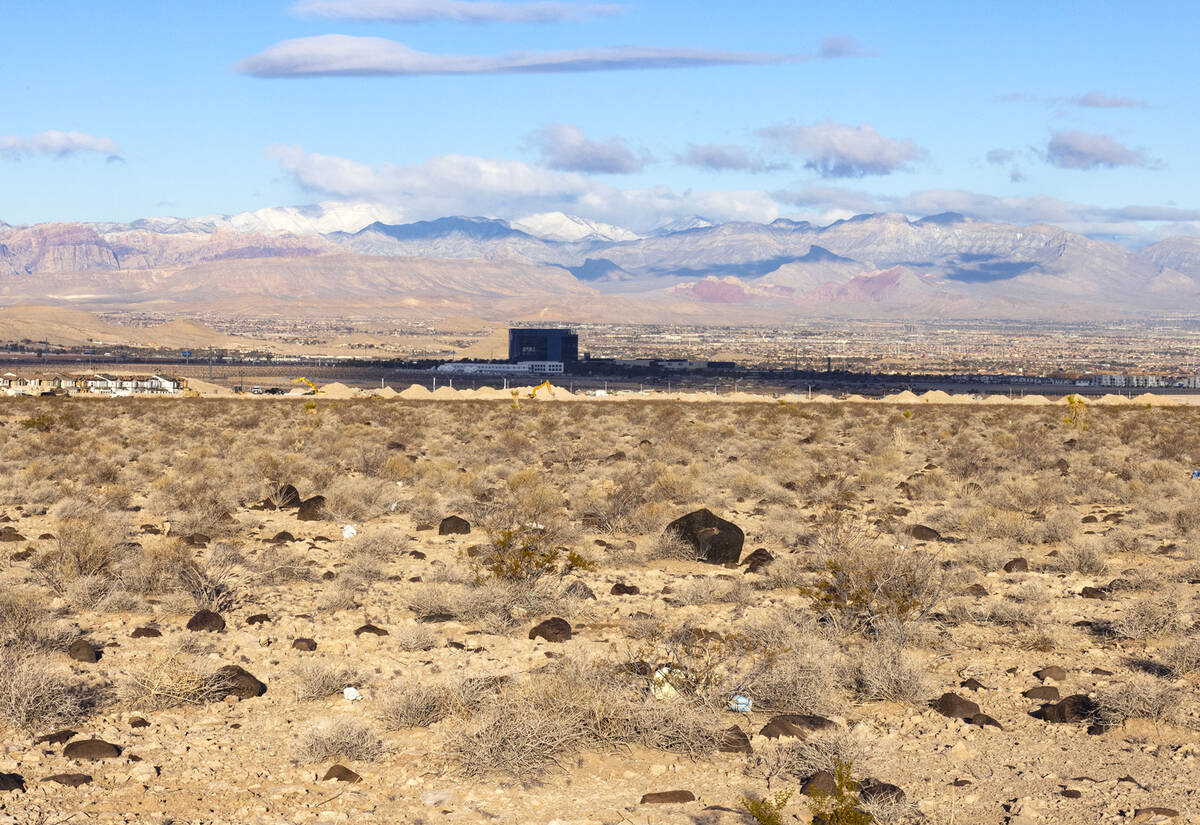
355	258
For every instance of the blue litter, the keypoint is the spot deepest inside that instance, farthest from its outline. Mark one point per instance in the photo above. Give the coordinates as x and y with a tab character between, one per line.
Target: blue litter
1195	474
740	704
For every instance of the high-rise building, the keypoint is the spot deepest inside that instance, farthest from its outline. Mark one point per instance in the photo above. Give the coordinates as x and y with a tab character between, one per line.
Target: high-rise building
543	345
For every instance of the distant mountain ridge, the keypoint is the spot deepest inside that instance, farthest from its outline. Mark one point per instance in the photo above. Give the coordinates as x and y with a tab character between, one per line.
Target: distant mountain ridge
873	265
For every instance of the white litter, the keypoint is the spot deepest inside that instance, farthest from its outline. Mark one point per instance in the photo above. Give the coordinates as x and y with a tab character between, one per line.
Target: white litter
349	531
352	694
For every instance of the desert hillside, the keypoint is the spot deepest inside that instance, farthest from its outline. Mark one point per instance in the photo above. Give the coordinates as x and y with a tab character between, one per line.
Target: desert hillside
380	611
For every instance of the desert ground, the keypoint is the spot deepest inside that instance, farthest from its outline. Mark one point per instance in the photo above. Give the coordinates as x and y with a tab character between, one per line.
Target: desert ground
323	610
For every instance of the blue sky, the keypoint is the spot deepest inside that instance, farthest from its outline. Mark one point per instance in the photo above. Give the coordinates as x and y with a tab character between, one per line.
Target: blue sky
1080	114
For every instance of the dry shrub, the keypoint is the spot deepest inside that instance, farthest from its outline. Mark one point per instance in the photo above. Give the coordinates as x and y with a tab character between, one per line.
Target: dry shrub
212	581
885	672
713	590
1183	658
798	682
534	725
319	680
170	679
1086	558
357	499
341	595
421	704
381	546
1147	620
414	637
794	760
670	545
27	624
1142	698
35	695
1124	539
82	547
279	565
340	739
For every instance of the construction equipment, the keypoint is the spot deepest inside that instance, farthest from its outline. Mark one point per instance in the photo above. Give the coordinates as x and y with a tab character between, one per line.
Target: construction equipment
311	386
545	385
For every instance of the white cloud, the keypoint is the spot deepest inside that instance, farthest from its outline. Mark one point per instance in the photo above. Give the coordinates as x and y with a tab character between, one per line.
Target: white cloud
343	55
365	56
837	150
56	144
566	148
458	185
1099	100
718	157
1084	150
458	11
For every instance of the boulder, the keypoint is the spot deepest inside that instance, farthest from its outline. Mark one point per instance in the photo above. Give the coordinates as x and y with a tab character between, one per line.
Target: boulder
237	681
919	532
758	561
307	645
370	630
57	738
91	749
872	790
1042	693
955	706
668	797
1053	672
715	540
282	537
821	783
258	618
1076	708
12	782
71	780
795	725
454	526
552	630
342	774
81	650
623	589
145	632
983	720
9	534
733	740
1017	565
312	509
579	590
206	620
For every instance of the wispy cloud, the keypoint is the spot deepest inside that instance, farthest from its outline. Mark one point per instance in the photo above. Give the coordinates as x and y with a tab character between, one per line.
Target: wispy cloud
56	144
333	55
459	184
457	11
1088	100
565	147
1084	150
837	150
718	157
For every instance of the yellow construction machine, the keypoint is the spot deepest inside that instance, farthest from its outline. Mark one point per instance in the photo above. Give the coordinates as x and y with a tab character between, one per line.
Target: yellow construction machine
311	386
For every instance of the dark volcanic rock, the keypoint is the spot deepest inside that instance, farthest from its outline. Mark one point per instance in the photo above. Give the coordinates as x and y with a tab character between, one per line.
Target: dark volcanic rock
578	590
56	738
1017	565
1077	708
920	532
733	740
9	534
370	630
872	790
1053	672
623	589
145	632
312	509
71	780
758	561
237	681
976	589
1042	693
795	725
206	620
1093	593
91	749
12	782
258	618
955	706
307	645
668	797
715	540
282	537
81	650
972	684
552	630
342	774
138	722
821	783
454	526
983	720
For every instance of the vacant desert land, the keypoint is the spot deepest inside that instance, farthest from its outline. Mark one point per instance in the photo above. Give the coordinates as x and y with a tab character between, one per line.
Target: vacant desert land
220	612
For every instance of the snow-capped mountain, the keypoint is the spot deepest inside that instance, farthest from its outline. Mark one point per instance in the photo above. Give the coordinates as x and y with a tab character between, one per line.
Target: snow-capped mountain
317	219
555	226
